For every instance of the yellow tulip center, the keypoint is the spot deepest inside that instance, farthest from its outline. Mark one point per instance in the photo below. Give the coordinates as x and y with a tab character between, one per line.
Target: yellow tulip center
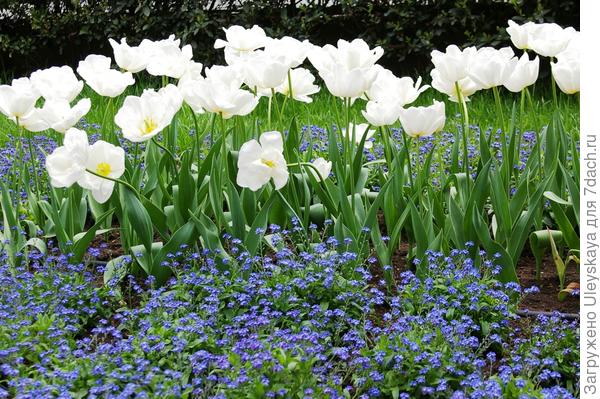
267	162
103	169
149	126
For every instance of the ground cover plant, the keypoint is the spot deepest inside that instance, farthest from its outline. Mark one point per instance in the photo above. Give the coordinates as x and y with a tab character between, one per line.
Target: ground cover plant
249	230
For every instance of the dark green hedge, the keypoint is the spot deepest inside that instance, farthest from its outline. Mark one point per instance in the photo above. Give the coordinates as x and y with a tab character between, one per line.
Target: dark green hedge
41	33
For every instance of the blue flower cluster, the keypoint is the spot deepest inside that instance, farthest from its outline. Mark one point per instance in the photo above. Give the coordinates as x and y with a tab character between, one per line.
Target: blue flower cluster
290	323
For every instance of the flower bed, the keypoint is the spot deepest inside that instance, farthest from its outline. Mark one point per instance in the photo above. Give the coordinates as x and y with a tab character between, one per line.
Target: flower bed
218	237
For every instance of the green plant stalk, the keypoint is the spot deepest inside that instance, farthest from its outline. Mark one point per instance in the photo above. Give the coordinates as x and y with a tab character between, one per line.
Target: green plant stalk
465	115
554	95
503	137
119	181
269	110
165	149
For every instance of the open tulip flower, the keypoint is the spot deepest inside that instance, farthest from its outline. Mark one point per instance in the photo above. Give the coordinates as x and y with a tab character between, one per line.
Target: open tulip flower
262	71
423	121
383	113
388	87
302	84
358	132
524	74
220	93
17	100
466	86
549	39
453	65
57	82
260	161
292	52
60	116
192	72
129	58
75	159
66	164
143	117
96	72
491	67
240	41
519	34
167	59
348	69
105	160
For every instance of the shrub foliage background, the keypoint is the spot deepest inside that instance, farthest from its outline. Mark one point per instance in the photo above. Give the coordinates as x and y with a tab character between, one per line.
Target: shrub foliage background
41	33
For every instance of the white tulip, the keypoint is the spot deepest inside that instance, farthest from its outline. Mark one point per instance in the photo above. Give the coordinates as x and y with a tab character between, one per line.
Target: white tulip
57	82
169	60
466	86
240	41
34	121
263	71
291	51
92	65
566	73
302	85
347	83
519	34
18	99
524	74
491	67
453	65
66	164
141	118
192	72
96	72
423	121
229	75
150	47
261	161
549	39
348	69
388	87
357	132
106	160
58	114
323	167
129	58
382	113
220	93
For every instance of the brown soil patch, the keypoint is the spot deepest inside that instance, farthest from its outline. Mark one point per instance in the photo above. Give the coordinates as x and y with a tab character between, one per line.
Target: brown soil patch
547	299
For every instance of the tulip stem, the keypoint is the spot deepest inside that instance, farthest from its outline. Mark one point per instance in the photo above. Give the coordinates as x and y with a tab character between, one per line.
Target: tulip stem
173	157
554	95
123	182
465	114
269	106
224	146
503	138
